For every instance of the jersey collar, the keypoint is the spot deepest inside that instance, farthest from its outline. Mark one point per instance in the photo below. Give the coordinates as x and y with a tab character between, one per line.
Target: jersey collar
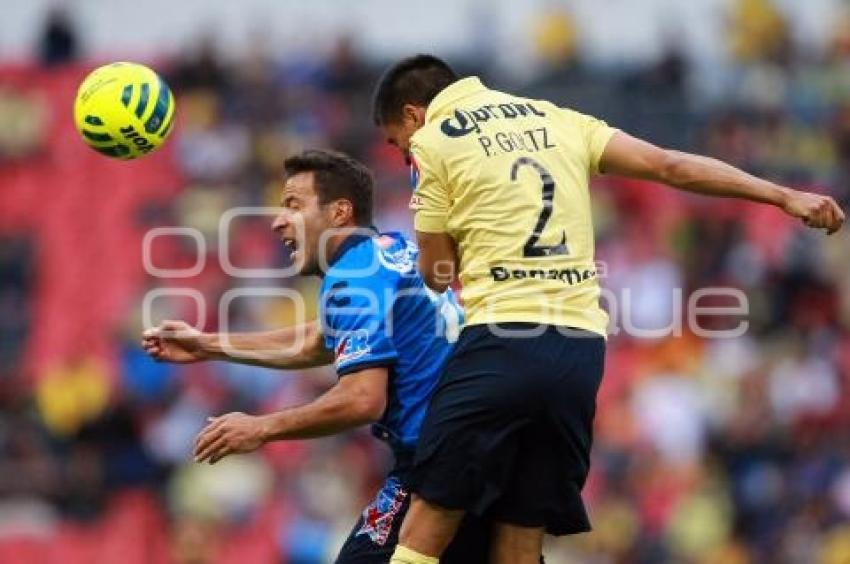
351	241
449	95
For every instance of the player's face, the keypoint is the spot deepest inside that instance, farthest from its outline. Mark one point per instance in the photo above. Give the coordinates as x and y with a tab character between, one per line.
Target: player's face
301	222
398	133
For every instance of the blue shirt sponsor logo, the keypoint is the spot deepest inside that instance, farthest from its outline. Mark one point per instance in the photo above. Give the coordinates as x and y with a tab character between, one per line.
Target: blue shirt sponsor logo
353	346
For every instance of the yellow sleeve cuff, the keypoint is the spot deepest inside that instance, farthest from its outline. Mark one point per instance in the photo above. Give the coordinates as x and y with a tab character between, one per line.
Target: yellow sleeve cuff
429	222
600	140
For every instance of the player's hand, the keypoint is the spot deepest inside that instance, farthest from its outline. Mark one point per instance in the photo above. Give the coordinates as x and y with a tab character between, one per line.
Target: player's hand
174	341
820	212
232	433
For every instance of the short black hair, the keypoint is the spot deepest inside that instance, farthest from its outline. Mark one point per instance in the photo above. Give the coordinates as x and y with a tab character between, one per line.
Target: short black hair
336	176
414	80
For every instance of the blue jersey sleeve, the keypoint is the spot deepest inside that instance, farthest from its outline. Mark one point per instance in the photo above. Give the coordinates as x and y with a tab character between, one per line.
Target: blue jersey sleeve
356	314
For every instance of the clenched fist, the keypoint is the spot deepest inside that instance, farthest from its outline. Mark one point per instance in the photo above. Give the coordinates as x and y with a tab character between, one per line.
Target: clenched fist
232	433
815	210
175	341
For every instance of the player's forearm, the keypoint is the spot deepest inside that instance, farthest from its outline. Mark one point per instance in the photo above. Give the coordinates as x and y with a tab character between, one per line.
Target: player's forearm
330	414
288	348
712	177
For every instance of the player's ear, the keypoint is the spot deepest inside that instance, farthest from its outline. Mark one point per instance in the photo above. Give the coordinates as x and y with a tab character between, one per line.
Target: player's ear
413	115
342	213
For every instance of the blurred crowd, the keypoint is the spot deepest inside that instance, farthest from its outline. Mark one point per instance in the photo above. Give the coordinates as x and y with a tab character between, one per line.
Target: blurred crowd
729	450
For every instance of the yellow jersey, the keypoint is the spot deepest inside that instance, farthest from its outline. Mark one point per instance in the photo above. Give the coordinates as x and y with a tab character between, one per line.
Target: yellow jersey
507	178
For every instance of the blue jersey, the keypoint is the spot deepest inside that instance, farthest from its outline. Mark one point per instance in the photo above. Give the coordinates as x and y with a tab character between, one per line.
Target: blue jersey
375	310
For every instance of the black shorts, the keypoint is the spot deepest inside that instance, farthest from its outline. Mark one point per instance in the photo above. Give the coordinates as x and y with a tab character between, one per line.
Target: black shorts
509	429
374	537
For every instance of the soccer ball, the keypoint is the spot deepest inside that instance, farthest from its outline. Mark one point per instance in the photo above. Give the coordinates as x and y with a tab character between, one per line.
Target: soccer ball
124	110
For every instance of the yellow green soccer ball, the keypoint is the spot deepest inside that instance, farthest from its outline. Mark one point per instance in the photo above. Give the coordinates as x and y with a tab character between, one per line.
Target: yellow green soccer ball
124	110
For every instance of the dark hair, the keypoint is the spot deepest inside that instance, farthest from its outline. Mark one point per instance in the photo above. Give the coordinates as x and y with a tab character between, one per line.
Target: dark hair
336	176
415	80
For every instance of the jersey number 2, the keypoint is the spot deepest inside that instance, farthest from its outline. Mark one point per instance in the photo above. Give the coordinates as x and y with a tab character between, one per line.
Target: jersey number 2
531	248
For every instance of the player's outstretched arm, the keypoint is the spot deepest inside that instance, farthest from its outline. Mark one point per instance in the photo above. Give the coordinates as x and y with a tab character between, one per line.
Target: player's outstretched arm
358	398
300	346
628	156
